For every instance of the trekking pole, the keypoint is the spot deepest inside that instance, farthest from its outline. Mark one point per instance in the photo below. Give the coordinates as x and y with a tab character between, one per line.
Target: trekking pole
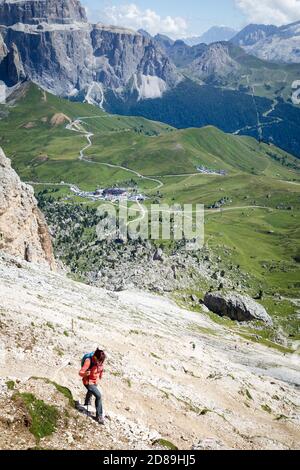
87	405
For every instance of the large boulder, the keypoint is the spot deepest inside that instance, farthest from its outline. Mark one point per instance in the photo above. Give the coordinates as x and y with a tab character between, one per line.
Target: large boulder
158	255
237	307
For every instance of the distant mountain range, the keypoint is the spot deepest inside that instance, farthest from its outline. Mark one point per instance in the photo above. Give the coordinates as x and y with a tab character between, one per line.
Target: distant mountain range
214	34
267	42
276	44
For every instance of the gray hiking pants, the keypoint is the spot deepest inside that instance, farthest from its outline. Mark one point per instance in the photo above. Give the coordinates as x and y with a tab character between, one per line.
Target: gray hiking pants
93	390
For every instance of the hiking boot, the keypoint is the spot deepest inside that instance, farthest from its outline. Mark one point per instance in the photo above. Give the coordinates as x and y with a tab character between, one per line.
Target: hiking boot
99	420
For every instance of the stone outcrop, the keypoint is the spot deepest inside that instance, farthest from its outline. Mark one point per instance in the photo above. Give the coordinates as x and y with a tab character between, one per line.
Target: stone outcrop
23	230
237	307
11	68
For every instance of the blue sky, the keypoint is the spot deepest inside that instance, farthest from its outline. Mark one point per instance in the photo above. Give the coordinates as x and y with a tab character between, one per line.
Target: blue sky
191	17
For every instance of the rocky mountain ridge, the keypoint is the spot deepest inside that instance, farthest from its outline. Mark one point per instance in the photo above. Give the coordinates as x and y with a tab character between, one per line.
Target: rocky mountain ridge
203	62
272	43
53	45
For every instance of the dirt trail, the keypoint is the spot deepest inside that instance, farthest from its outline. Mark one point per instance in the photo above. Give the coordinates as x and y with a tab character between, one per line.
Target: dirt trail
260	125
76	127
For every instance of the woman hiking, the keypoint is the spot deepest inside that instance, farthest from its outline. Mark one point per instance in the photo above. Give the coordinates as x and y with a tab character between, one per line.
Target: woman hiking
91	372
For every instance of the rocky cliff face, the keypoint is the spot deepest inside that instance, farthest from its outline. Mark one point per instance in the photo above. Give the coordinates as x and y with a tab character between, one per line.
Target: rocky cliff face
11	68
23	230
253	33
36	11
180	53
52	44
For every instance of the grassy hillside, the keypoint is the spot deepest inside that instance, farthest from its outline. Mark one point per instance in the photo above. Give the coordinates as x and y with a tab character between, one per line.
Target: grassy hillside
269	80
33	132
33	126
258	226
239	107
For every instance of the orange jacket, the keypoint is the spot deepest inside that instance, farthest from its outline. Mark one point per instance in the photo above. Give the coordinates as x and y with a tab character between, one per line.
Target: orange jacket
91	374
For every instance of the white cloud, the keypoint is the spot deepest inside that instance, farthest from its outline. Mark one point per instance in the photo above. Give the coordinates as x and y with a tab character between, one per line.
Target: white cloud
277	12
131	16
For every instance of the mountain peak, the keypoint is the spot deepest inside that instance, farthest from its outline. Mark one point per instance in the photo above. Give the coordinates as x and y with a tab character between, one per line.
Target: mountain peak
253	33
214	34
38	11
269	42
145	33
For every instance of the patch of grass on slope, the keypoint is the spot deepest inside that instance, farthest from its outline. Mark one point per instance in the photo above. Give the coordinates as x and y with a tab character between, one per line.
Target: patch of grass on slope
44	417
262	243
66	392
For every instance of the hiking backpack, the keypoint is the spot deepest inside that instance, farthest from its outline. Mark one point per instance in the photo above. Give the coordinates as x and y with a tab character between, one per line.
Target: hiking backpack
85	357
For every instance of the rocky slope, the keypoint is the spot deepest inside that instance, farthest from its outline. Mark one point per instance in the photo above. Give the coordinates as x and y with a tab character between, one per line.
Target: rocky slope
179	52
271	43
209	63
52	44
214	63
171	374
23	230
174	378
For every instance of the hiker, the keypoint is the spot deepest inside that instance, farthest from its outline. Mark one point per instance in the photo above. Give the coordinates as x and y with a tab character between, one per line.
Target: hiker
91	372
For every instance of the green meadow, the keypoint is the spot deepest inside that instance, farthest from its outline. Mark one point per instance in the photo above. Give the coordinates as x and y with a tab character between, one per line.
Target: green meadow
258	225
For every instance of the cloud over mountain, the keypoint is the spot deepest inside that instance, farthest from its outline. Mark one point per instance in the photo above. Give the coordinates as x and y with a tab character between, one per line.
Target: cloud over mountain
270	11
131	16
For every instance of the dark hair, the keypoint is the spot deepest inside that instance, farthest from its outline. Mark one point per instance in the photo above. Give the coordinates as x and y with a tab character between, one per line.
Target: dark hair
100	355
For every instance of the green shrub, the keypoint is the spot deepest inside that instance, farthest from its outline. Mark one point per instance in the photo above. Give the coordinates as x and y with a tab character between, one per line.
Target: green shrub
166	444
10	384
266	408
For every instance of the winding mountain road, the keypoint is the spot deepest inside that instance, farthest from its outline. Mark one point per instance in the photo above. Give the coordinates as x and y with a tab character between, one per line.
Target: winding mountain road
75	126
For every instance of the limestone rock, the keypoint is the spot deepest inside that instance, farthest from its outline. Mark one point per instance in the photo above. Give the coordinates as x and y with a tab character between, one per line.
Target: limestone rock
158	255
237	307
23	230
209	444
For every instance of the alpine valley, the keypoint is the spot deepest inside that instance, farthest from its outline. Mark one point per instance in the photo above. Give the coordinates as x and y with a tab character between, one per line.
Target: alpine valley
52	44
203	345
